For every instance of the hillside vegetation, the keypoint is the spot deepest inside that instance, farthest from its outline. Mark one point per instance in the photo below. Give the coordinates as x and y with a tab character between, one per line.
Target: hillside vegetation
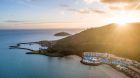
123	41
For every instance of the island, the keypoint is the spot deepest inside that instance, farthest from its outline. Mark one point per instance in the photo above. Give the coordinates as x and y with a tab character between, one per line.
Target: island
121	44
62	34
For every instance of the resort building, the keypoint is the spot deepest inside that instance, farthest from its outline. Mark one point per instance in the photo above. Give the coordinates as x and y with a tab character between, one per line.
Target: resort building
103	58
129	67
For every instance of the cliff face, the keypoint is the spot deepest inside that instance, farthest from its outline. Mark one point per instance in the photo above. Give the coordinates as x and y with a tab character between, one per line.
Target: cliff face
120	40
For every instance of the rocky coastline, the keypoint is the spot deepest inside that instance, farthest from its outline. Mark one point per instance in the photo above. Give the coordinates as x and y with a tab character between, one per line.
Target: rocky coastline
41	51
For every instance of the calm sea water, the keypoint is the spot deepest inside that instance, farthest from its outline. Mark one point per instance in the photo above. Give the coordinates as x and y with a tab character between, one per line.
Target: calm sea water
16	64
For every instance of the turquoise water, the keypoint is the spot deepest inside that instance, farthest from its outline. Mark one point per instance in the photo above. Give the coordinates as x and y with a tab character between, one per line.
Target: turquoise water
15	63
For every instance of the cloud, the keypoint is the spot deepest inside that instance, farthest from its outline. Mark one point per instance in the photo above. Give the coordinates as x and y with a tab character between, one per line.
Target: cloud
64	5
124	6
32	0
84	11
81	11
133	6
87	11
114	8
13	21
111	1
74	10
89	1
116	1
118	4
99	11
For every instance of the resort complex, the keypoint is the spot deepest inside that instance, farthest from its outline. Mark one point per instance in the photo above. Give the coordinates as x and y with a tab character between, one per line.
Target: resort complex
127	66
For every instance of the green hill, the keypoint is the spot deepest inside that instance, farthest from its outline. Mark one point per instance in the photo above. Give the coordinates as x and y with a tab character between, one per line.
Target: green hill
123	41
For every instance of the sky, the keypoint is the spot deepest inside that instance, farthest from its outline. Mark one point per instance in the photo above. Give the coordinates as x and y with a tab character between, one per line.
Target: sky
49	14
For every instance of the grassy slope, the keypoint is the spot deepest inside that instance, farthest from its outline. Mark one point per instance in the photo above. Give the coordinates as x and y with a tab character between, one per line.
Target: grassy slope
122	41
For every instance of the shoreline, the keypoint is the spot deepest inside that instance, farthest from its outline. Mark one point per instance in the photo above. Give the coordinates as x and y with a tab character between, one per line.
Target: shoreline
40	51
57	54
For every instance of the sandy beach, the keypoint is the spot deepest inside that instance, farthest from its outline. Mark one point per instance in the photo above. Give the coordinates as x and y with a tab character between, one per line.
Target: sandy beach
105	71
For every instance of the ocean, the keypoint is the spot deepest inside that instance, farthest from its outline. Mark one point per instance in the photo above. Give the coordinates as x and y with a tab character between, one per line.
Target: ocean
14	63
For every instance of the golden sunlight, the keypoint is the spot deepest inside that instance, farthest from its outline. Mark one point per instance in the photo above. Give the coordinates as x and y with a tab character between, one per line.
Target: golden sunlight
122	18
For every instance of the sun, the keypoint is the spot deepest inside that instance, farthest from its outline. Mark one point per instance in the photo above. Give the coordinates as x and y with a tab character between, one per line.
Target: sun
122	19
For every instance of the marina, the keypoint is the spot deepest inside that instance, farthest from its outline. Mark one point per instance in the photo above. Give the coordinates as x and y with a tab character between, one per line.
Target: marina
127	66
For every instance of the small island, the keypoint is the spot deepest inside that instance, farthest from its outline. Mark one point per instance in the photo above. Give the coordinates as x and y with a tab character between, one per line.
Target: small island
62	34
